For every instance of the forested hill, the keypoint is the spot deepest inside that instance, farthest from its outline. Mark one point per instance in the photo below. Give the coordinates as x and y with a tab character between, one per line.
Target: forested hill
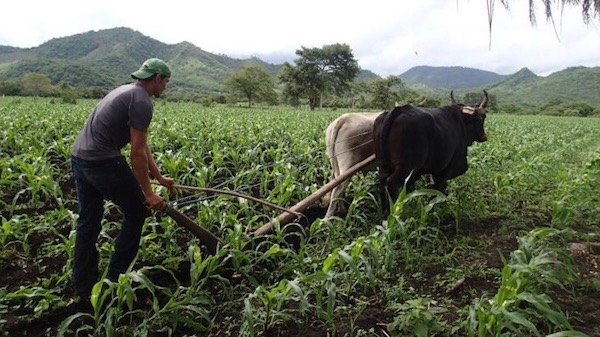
524	88
574	84
450	77
105	58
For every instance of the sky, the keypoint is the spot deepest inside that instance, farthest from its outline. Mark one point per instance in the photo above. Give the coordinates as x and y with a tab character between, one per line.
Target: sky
387	37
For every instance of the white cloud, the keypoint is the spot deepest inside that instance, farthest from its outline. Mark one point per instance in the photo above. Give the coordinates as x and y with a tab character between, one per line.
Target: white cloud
386	37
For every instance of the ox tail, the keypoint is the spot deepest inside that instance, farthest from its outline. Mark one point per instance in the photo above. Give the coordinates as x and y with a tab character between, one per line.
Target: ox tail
382	128
330	142
381	131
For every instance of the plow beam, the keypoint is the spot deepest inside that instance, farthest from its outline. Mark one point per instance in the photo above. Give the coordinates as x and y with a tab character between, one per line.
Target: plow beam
286	217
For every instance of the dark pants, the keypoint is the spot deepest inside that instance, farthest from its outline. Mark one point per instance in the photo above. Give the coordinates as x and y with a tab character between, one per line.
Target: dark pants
95	181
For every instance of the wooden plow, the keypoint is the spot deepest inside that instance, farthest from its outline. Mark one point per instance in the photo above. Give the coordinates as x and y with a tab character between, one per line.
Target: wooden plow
211	242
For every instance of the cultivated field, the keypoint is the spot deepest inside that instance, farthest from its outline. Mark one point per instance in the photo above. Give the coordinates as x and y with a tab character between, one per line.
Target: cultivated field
513	250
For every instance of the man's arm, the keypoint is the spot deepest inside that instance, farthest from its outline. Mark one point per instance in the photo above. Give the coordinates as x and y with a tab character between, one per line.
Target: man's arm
153	168
141	164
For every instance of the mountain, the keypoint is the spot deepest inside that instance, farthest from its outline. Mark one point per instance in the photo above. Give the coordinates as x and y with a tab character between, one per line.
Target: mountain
524	88
521	77
450	77
570	85
105	58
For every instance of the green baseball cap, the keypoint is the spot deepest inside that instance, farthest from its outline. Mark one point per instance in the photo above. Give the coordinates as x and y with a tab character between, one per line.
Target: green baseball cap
150	67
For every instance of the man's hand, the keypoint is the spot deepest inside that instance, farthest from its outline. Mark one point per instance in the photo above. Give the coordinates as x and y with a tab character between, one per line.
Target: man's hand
155	202
166	182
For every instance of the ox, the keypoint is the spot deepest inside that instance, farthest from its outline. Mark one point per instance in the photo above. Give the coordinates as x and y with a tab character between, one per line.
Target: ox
349	140
410	141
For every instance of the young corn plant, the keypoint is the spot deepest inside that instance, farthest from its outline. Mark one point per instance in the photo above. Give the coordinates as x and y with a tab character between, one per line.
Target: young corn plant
6	230
236	240
114	305
324	289
188	306
362	258
16	231
417	317
36	299
106	313
36	182
520	307
273	309
204	269
413	229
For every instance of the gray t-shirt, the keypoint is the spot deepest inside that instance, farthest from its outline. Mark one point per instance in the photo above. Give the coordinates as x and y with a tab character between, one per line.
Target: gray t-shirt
106	131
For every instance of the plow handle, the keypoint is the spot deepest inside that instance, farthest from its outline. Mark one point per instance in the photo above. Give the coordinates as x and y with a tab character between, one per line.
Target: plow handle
205	236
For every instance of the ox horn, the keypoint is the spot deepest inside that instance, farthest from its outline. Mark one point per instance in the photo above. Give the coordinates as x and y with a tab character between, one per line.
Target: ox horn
452	97
484	103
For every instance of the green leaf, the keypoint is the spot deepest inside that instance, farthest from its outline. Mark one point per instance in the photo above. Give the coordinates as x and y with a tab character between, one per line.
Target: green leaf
64	326
319	276
541	302
569	333
330	260
519	319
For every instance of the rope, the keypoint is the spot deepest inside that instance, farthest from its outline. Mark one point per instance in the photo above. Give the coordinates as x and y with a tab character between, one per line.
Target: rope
346	139
236	194
354	148
217	189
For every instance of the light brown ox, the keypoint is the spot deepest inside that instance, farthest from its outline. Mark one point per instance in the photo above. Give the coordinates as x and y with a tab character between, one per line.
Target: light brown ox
349	140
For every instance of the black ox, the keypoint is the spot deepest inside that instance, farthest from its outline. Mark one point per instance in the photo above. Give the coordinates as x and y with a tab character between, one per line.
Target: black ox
411	141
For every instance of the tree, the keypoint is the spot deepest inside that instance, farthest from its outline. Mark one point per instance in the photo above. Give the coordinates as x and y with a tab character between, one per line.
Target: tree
300	84
68	94
36	84
383	95
357	96
319	71
426	101
92	92
10	88
564	109
253	82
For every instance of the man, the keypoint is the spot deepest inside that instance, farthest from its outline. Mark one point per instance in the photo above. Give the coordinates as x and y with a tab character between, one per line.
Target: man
102	172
